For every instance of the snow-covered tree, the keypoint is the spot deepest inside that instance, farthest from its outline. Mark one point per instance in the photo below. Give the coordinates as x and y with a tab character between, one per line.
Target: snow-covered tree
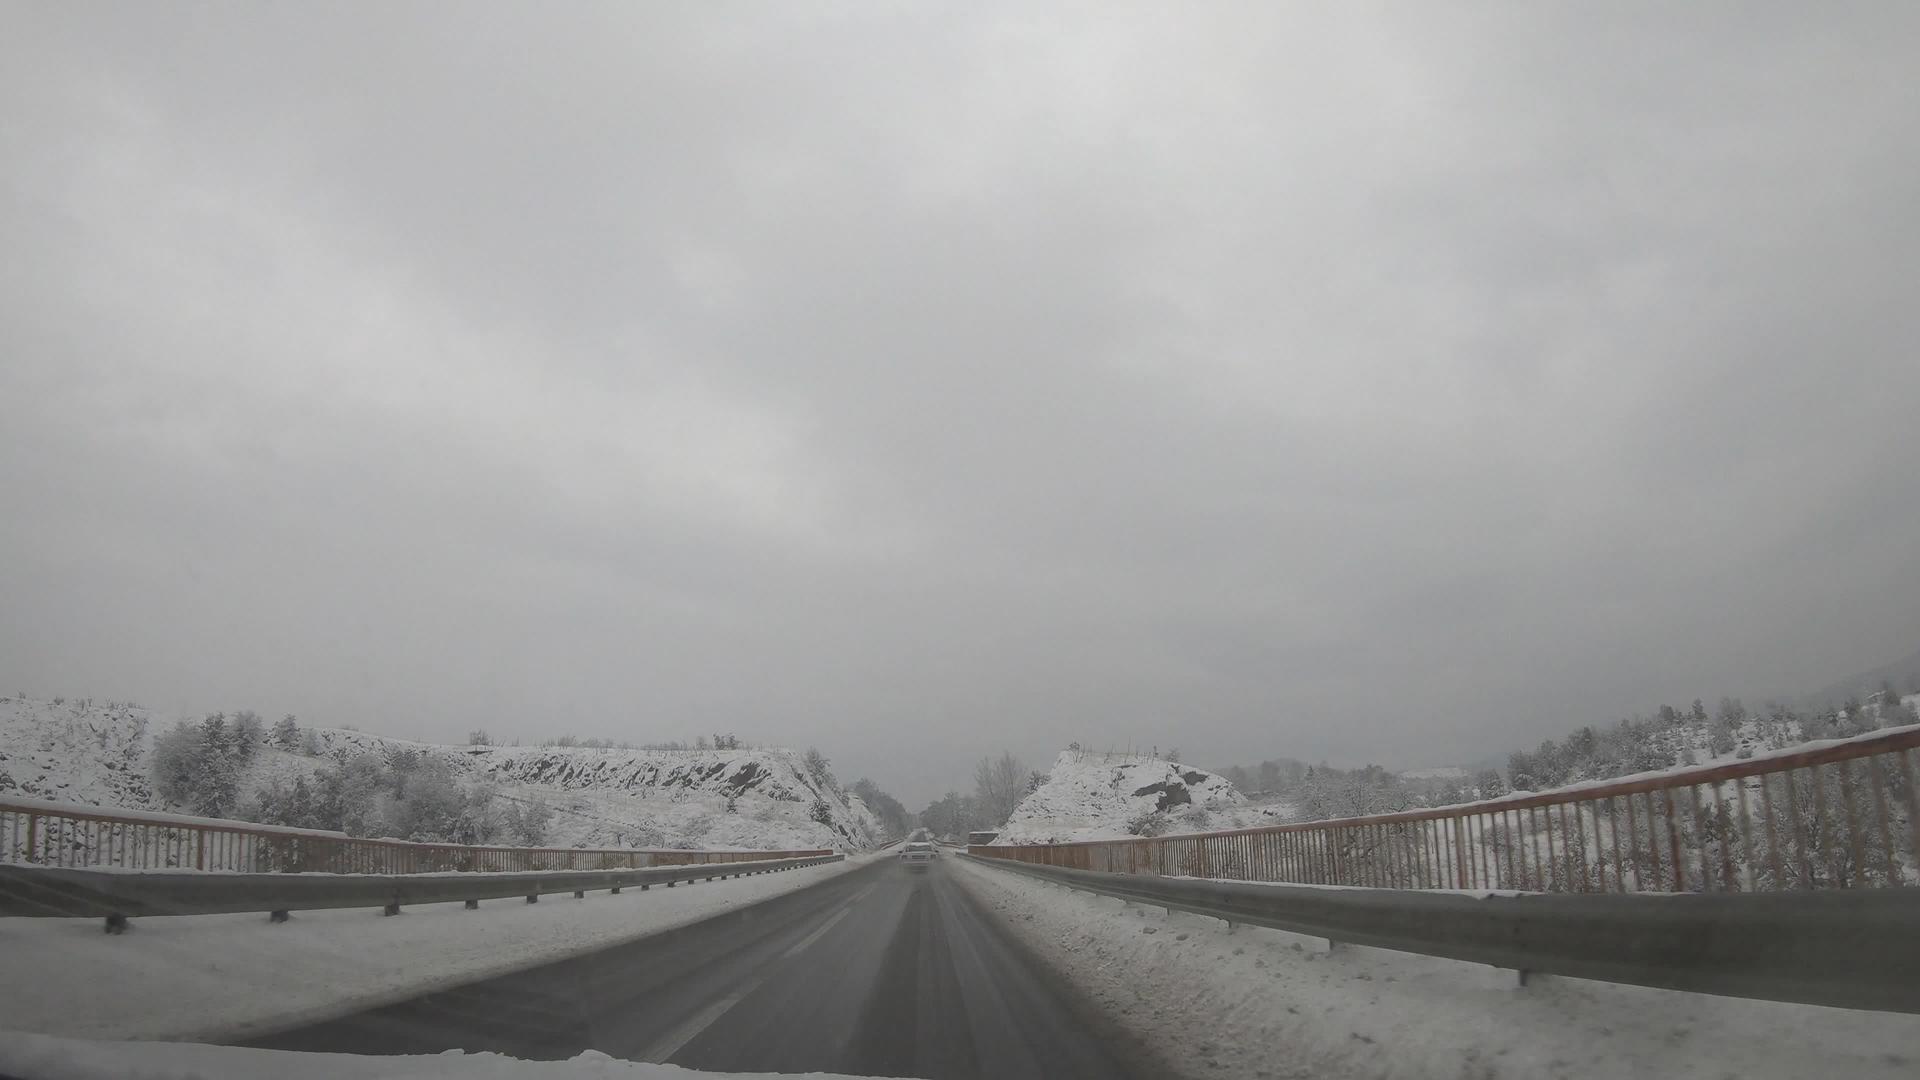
247	734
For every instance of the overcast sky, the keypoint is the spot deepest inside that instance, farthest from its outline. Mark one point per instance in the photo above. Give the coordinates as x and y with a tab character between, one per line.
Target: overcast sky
1392	384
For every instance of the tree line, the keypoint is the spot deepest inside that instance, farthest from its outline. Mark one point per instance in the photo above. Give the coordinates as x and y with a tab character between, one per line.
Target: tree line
999	783
1669	736
399	792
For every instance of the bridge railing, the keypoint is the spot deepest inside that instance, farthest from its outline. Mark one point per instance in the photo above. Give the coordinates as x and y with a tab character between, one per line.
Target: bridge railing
1842	813
51	834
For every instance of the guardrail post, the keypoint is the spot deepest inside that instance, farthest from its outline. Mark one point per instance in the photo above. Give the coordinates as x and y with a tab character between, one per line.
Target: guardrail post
278	916
579	894
473	905
391	909
533	898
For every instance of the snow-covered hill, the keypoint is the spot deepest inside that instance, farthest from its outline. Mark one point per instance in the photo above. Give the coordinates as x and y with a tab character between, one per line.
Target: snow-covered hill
1091	796
77	751
98	753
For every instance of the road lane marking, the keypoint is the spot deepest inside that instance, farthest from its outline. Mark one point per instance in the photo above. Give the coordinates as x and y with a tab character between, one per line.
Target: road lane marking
679	1037
670	1045
821	931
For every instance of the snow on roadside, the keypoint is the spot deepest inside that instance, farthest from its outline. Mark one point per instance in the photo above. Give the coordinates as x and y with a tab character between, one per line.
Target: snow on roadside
45	1058
1265	1003
216	977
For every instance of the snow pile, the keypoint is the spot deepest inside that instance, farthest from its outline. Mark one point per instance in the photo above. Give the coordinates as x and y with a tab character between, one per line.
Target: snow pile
98	754
45	1058
1258	1002
1092	796
228	977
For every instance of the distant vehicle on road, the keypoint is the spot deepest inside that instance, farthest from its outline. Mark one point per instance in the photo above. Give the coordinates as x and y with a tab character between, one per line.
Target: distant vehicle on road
918	854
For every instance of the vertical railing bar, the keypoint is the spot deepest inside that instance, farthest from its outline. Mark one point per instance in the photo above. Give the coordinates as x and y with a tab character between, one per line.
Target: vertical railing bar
1551	867
1436	862
1489	856
1599	848
1854	843
1573	856
1413	842
1773	833
1474	856
1874	767
1673	841
1800	827
1746	837
1700	837
1613	833
1721	814
1504	848
1460	851
1913	808
1418	842
1821	834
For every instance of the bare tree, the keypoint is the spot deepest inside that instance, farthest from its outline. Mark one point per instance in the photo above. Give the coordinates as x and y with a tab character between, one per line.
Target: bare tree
998	785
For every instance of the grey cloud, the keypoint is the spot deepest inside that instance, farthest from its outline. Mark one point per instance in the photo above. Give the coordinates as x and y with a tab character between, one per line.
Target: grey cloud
1370	384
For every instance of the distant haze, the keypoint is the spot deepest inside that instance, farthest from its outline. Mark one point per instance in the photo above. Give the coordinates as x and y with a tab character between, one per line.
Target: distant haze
1393	383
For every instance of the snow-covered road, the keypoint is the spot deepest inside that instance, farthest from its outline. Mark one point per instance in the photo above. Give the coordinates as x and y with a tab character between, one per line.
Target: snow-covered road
223	977
885	971
42	1057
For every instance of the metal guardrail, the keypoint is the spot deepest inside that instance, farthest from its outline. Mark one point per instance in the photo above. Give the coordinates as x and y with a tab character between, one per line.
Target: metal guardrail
63	835
1855	949
118	895
1837	814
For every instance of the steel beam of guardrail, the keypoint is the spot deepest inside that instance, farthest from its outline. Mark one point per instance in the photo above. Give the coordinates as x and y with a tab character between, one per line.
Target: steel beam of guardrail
1848	948
117	896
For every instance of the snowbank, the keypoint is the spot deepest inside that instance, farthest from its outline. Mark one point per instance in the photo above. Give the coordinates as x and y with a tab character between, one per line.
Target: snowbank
1091	796
213	977
43	1058
1259	1002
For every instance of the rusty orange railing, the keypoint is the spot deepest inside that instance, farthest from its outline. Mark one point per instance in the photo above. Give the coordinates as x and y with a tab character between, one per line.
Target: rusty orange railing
59	834
1837	814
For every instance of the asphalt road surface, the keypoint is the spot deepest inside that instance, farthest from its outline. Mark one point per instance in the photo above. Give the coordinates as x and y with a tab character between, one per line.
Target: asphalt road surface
884	971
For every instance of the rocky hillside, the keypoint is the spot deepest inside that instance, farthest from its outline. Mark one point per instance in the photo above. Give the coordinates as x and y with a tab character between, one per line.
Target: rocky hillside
1091	796
77	751
99	753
